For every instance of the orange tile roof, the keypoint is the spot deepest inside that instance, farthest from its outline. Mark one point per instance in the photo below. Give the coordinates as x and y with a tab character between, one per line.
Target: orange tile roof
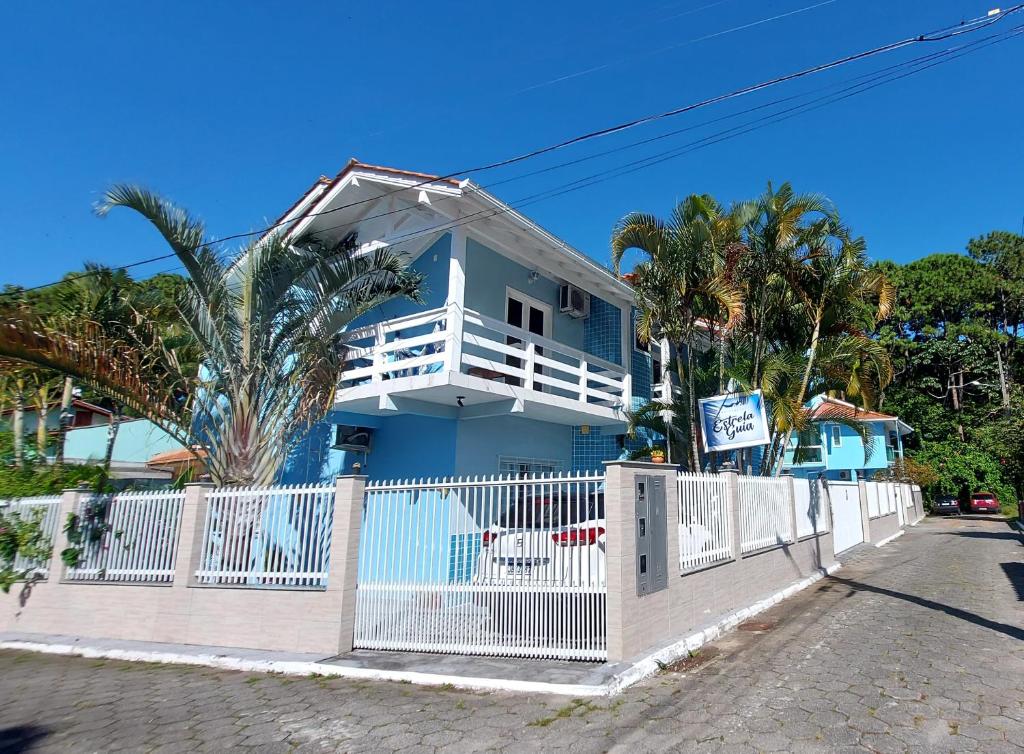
175	456
833	408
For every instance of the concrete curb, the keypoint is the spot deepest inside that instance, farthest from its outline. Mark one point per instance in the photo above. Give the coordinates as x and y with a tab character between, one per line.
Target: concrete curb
636	672
887	540
654	662
225	662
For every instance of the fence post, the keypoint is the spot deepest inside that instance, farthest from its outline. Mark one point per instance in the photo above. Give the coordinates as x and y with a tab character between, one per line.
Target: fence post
190	537
69	500
732	492
636	623
865	511
791	494
349	493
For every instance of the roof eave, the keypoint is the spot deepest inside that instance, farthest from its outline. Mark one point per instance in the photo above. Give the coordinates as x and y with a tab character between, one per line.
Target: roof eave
618	285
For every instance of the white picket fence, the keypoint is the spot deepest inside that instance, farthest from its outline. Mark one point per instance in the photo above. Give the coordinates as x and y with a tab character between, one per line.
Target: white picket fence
49	507
705	534
764	513
490	566
267	536
140	543
811	508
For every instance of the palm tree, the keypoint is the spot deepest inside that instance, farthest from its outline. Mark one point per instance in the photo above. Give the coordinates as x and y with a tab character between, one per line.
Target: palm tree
773	230
683	282
268	325
838	291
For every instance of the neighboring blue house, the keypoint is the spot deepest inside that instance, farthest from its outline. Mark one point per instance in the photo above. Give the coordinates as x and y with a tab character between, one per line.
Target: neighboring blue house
520	359
137	442
839	454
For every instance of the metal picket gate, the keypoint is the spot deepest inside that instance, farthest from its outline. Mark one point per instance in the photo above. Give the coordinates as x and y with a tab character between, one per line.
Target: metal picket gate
503	566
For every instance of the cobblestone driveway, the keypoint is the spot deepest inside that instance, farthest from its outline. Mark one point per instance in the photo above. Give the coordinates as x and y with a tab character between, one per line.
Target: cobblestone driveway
917	646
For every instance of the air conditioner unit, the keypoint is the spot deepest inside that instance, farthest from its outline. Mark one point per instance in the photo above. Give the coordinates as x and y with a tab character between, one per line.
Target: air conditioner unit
349	437
574	301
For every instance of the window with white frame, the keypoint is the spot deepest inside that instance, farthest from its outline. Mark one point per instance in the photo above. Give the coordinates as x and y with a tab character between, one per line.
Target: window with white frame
518	466
837	436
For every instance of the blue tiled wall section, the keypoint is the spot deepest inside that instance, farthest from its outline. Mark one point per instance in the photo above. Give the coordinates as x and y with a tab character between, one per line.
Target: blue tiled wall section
602	331
591	450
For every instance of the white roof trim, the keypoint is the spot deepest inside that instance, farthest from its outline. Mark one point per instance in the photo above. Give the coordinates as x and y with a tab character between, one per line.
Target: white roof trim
592	275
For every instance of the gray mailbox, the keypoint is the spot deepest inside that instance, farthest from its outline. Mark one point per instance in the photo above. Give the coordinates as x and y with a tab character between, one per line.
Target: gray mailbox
651	522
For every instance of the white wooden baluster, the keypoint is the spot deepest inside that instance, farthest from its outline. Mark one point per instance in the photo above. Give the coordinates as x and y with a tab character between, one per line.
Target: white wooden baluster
583	380
531	359
379	339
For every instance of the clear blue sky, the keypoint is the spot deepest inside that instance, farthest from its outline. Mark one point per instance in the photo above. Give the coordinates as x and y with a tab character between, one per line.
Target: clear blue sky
233	109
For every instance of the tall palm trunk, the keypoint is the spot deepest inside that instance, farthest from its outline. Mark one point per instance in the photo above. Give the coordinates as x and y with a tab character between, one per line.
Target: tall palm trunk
691	389
65	418
18	425
42	413
779	453
112	430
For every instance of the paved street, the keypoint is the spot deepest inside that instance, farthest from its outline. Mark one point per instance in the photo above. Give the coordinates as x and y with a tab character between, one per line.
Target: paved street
917	646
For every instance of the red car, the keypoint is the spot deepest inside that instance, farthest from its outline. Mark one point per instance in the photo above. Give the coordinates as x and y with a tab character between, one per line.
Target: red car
983	502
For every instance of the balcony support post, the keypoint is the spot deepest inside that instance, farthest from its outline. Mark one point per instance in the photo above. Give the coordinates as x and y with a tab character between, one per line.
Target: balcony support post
456	302
530	362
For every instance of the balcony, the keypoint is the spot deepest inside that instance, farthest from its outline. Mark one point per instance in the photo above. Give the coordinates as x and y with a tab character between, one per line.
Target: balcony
440	363
661	392
810	455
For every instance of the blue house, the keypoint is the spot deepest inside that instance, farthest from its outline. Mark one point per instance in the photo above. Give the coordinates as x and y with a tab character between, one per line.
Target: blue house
521	357
840	451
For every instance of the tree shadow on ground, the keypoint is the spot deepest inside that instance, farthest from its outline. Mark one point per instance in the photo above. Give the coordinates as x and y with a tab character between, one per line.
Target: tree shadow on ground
19	738
1012	631
987	534
1015	573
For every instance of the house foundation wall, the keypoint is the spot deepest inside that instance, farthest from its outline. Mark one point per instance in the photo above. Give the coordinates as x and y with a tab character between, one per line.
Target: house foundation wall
883	527
252	618
184	612
696	599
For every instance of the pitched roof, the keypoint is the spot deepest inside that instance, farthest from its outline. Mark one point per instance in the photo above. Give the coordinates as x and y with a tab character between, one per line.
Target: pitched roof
183	455
76	403
319	196
833	408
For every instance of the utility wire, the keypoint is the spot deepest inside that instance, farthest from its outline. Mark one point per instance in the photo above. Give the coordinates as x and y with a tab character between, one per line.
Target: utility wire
937	35
879	78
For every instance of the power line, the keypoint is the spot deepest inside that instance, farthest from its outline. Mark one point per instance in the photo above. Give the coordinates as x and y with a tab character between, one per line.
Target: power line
874	80
871	75
943	33
674	46
929	61
937	35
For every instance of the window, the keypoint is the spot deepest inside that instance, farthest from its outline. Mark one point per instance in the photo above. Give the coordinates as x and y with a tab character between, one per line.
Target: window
527	314
809	451
638	344
523	466
837	437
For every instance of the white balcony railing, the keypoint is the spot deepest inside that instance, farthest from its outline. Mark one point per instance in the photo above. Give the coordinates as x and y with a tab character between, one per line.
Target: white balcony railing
486	348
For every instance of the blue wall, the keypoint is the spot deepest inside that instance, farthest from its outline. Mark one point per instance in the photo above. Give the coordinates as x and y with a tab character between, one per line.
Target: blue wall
487	275
482	441
138	440
602	331
435	286
850	453
403	446
411	446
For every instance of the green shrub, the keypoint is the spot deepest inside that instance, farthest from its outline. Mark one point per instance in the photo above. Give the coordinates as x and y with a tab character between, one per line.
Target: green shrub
21	535
36	479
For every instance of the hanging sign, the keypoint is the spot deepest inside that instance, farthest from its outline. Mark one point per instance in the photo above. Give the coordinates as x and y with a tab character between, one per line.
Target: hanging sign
733	421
